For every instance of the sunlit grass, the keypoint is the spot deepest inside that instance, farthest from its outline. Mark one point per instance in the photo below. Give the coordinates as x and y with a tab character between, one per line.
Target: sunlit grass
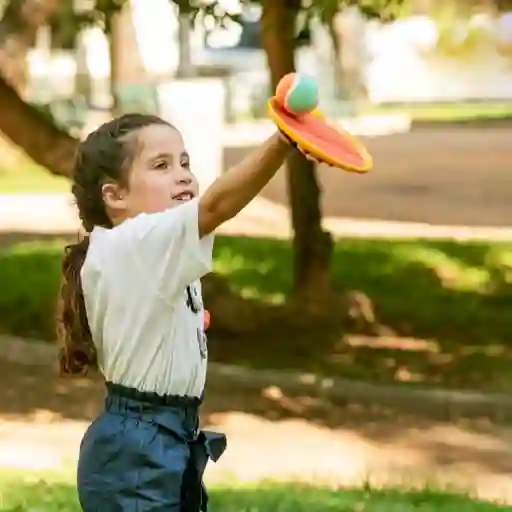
263	267
31	179
19	174
54	492
463	111
452	272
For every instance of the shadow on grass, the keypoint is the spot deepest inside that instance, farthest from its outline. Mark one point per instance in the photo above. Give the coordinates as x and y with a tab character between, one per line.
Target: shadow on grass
22	495
458	295
421	287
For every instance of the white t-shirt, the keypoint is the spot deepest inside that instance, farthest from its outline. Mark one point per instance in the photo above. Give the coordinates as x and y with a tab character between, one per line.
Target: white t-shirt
135	280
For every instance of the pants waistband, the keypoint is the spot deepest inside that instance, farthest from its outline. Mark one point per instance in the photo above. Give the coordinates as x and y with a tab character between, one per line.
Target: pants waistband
177	414
153	398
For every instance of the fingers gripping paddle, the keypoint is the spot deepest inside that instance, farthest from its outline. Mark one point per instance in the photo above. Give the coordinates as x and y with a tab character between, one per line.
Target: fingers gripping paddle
293	109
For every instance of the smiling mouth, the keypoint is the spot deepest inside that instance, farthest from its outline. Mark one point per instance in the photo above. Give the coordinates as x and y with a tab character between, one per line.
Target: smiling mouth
184	196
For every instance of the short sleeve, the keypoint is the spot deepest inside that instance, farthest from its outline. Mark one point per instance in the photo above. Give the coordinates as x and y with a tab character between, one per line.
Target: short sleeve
166	247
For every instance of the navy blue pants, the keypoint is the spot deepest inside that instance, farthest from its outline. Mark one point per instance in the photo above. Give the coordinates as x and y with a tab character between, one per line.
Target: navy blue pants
144	453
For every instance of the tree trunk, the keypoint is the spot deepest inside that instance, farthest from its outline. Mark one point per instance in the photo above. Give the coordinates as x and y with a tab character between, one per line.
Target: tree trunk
336	39
83	81
28	128
18	31
112	26
312	246
185	64
126	64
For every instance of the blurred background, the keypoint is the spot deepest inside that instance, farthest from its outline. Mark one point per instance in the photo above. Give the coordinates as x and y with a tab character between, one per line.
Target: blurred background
361	335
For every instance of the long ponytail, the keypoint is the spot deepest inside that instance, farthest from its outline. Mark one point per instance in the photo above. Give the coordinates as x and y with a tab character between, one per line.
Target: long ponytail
77	352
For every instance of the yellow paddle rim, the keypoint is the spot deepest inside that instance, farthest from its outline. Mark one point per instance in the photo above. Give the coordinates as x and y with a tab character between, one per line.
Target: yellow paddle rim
318	153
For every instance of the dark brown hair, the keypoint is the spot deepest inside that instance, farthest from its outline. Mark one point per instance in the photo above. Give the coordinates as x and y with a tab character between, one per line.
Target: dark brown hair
105	155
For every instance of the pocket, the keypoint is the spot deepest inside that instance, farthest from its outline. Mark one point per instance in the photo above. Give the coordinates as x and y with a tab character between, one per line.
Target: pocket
100	446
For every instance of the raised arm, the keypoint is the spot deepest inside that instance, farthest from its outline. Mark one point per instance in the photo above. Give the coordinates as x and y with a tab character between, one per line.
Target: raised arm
232	191
172	247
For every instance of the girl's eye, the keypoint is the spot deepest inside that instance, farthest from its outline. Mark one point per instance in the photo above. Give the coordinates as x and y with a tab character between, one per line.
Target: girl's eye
185	164
161	165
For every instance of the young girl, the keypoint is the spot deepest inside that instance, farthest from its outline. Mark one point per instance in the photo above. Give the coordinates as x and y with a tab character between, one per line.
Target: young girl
131	306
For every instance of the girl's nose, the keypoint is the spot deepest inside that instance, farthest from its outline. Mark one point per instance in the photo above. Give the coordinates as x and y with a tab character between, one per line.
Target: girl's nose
185	179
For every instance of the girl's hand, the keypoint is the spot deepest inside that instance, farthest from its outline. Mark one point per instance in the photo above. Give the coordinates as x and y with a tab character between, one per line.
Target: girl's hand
298	148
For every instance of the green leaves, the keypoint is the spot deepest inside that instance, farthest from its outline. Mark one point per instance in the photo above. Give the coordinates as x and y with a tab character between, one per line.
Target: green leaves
383	9
212	8
68	21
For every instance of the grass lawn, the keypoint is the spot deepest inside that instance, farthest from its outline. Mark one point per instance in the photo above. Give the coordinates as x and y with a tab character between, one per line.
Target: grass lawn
56	493
465	111
456	296
31	179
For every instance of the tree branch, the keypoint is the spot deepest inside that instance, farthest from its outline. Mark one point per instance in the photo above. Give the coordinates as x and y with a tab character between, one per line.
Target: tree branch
35	133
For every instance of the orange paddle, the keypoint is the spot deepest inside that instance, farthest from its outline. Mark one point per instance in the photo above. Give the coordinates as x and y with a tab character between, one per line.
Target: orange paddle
312	133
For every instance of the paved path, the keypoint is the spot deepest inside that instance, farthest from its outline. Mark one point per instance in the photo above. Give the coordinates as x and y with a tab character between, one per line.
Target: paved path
440	182
446	176
272	434
55	214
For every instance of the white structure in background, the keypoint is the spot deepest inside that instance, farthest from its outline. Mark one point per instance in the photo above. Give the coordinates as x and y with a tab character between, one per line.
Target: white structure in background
505	28
404	67
196	107
504	34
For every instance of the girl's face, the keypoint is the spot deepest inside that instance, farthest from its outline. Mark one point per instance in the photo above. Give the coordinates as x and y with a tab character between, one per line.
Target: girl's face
159	177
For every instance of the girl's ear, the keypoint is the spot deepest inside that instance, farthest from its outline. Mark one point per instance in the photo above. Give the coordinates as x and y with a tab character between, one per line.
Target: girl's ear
113	196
